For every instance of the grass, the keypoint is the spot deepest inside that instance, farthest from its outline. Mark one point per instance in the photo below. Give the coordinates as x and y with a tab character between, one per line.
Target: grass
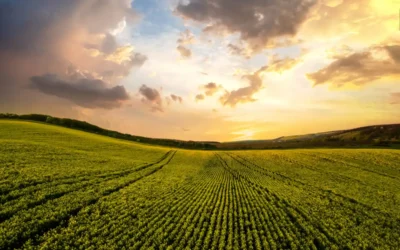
61	188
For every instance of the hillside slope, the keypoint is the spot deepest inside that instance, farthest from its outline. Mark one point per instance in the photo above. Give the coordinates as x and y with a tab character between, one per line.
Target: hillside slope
370	136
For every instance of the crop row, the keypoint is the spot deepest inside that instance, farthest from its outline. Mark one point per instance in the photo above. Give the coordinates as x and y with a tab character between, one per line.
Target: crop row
203	200
35	221
221	208
341	214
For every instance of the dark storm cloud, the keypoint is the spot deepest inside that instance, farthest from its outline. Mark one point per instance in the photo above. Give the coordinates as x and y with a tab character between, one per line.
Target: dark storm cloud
258	22
360	68
89	93
153	97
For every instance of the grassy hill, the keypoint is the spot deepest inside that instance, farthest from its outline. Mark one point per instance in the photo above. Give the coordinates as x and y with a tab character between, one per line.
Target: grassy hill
62	188
84	126
370	136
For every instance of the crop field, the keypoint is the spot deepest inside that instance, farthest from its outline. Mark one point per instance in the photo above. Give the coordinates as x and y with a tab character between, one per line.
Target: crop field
66	189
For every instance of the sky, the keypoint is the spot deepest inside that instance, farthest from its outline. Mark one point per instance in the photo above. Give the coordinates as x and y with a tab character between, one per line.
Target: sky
217	70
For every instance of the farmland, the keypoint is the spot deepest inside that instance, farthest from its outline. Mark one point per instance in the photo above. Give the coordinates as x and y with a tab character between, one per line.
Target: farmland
61	188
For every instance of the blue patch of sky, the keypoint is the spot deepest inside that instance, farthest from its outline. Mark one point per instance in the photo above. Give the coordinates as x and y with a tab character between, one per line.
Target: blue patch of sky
157	18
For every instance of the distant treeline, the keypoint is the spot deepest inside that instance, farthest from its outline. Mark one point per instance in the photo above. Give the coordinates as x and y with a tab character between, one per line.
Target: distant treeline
87	127
311	143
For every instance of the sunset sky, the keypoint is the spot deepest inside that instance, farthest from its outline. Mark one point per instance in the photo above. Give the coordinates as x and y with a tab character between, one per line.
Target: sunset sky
203	69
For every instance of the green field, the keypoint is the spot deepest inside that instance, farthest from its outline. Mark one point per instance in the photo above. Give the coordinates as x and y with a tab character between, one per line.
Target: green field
67	189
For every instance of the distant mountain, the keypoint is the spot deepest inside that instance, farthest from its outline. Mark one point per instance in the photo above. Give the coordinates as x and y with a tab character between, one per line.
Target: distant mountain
370	136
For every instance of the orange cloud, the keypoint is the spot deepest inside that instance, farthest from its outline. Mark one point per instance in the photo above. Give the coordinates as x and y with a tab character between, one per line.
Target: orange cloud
186	38
245	94
280	65
199	97
184	52
211	88
368	65
355	20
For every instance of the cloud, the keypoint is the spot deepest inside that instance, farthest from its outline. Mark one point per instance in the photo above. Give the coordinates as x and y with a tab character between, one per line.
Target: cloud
360	67
185	52
105	45
395	98
333	3
239	50
186	38
211	88
176	98
351	20
199	97
258	23
42	25
279	65
245	94
152	97
119	55
109	44
244	50
394	52
48	36
136	60
85	92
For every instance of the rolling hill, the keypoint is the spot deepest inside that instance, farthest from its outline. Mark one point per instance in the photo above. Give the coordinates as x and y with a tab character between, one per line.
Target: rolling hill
369	136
